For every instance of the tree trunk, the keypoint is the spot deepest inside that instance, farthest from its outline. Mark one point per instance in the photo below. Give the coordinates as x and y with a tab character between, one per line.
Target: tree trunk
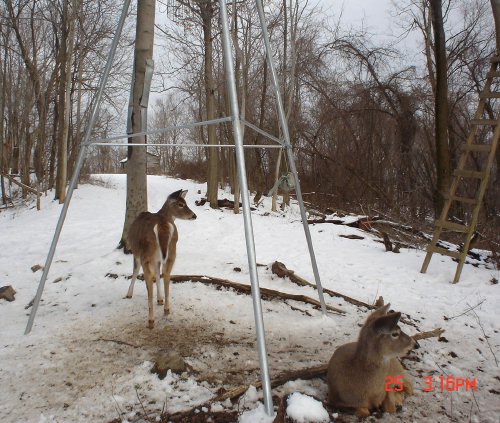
259	169
276	177
79	118
137	200
3	151
30	59
67	41
62	144
495	7
443	167
206	11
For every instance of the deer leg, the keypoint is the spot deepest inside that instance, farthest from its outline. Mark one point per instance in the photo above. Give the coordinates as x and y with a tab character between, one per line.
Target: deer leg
149	276
167	269
362	412
137	266
407	385
159	293
389	403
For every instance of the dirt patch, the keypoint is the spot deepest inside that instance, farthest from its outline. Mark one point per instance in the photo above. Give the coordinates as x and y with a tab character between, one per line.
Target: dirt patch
219	351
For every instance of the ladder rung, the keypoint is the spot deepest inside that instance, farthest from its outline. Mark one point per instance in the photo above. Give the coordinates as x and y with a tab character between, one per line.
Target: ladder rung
443	251
451	225
480	122
489	95
469	174
464	199
485	148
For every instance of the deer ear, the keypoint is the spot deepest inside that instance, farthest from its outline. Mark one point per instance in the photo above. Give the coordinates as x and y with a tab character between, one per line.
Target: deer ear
387	323
379	312
183	193
175	195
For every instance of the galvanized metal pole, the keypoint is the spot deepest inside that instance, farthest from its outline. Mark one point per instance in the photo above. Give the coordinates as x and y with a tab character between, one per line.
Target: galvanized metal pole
289	152
78	167
240	161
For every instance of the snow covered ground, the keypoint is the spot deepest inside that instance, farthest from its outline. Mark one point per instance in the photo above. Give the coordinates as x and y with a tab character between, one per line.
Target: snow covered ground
89	355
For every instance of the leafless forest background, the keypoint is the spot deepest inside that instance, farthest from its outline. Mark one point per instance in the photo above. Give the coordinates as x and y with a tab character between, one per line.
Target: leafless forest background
361	114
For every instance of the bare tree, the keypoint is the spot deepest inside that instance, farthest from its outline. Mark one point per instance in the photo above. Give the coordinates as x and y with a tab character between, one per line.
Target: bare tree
137	200
443	163
206	11
64	98
495	7
35	62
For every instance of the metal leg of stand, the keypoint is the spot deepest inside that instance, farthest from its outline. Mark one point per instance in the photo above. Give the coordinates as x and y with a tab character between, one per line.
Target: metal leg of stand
78	167
289	152
240	158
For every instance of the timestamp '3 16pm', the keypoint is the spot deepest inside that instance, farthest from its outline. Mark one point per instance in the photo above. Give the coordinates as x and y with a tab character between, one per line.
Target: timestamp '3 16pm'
441	383
449	384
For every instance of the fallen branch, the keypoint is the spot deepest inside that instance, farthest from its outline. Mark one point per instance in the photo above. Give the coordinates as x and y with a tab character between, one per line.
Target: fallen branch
200	415
352	236
266	294
364	223
325	220
25	187
224	202
194	415
305	374
469	309
117	341
281	270
402	227
429	334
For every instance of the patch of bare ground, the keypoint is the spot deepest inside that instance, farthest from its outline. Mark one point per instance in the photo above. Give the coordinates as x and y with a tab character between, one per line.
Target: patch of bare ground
218	345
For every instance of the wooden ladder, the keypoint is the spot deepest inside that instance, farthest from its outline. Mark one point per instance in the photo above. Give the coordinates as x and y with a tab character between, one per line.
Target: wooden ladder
481	119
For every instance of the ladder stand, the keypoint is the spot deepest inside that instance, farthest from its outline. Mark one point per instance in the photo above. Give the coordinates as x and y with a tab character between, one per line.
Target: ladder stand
463	176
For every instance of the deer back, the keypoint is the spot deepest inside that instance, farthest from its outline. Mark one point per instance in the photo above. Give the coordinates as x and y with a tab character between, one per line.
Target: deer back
151	231
141	236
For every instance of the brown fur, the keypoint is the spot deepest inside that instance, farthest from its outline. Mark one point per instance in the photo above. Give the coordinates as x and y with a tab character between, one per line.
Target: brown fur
153	240
358	371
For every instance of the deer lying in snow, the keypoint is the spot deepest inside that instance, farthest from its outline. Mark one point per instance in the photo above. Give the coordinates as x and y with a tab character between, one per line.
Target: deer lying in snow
153	238
367	374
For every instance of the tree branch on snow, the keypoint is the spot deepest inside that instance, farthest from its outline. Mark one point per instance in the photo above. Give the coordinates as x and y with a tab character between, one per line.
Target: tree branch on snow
281	270
304	374
266	294
429	334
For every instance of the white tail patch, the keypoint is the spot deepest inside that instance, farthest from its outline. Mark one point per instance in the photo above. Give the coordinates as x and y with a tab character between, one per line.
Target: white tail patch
159	253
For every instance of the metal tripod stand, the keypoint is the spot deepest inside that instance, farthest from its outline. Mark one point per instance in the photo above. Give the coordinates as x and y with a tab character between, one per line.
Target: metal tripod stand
237	123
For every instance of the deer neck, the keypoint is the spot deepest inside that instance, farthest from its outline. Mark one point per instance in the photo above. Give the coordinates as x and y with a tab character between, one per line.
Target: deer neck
366	355
165	214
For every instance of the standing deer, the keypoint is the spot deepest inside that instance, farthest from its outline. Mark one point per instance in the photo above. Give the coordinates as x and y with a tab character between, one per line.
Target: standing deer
153	240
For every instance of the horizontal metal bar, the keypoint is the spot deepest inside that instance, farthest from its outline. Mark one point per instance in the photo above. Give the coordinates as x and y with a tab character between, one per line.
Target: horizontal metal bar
261	131
126	144
162	130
